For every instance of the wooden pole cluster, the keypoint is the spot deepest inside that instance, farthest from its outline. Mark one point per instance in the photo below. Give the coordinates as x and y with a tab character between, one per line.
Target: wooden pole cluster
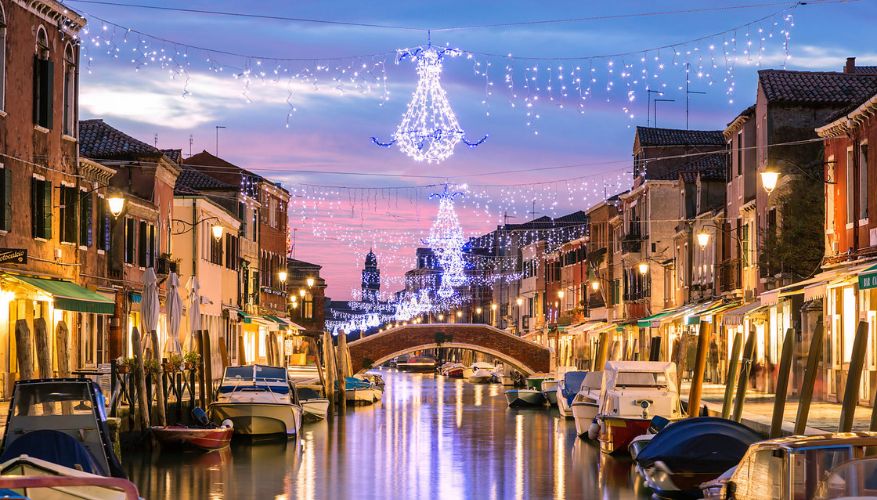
743	379
24	350
142	406
329	357
343	369
157	379
732	374
809	382
62	355
854	378
779	402
602	352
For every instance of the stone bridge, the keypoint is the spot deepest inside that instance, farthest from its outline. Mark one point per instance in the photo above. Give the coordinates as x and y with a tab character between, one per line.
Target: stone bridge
525	356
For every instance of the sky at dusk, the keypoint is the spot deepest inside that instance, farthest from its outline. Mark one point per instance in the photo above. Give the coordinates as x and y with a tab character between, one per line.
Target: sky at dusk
350	195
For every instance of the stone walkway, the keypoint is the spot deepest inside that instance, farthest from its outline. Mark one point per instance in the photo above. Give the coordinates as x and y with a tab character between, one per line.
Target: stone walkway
758	410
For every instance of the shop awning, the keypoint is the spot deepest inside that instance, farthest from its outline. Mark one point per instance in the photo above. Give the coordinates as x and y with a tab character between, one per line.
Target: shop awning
770	297
280	321
709	310
585	327
656	319
245	318
868	278
734	317
70	296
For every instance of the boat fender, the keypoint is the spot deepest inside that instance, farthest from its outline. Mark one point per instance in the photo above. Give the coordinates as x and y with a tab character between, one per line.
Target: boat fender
227	424
594	431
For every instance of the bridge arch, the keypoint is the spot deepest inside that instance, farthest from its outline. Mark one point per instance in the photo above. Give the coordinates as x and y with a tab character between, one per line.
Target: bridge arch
525	356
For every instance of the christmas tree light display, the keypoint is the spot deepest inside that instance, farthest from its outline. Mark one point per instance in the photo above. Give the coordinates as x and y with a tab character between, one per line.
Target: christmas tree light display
429	130
446	241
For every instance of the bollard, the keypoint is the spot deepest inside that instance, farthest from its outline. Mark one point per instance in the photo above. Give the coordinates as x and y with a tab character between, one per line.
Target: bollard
743	379
809	382
733	364
854	378
779	402
696	390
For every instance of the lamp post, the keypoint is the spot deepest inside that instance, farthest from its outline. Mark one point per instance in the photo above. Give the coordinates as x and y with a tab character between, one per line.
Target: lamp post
518	302
310	281
493	313
116	204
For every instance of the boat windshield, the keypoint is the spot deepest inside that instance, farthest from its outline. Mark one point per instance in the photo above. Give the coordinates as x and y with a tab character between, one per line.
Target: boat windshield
270	373
809	466
52	398
641	379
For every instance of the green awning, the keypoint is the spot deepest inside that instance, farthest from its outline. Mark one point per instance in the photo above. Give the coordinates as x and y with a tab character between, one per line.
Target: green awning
283	324
868	278
647	321
72	297
245	318
694	318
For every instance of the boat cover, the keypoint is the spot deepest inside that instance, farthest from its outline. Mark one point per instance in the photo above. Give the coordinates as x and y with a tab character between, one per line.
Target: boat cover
355	383
56	447
572	381
702	444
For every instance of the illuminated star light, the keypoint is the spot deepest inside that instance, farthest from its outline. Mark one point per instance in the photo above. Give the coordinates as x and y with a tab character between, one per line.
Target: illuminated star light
429	130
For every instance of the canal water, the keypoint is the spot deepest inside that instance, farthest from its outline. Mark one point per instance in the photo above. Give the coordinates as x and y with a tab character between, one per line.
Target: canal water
430	437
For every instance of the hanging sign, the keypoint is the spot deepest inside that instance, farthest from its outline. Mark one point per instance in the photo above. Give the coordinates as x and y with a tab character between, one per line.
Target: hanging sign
868	281
13	256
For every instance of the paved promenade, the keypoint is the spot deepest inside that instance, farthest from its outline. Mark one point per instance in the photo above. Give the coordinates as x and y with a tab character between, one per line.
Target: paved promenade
758	410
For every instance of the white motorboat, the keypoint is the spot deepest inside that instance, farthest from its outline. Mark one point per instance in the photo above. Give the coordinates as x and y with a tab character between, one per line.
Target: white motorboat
586	402
303	374
313	404
358	390
40	479
632	393
566	390
549	390
259	400
482	373
525	397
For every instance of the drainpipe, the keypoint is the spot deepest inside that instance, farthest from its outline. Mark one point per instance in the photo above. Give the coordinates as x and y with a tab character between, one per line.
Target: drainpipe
194	238
856	196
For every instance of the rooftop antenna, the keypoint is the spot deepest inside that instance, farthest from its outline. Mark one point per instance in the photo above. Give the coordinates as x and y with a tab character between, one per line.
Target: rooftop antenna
656	107
688	92
649	104
217	137
191	140
155	140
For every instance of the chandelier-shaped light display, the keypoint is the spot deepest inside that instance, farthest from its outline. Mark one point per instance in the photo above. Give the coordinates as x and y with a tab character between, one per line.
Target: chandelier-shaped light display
446	241
429	130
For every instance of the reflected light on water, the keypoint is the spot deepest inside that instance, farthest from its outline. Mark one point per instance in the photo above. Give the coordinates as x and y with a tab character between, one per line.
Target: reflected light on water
458	394
559	464
306	474
519	457
479	394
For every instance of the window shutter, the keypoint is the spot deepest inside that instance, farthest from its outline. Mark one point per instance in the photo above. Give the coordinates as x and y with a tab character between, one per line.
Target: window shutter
150	258
47	210
85	225
7	200
36	92
48	95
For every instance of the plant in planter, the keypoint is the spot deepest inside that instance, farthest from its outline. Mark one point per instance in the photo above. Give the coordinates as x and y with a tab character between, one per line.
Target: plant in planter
151	367
191	360
173	363
125	365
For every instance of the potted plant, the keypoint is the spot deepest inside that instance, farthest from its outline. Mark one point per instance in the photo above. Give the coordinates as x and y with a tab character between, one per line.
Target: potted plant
151	366
191	360
124	365
173	363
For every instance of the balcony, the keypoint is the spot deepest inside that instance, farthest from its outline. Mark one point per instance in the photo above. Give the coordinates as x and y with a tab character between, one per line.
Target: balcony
730	275
632	242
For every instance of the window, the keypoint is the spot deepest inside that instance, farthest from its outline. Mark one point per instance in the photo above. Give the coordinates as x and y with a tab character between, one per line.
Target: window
850	185
68	214
242	216
863	181
142	244
216	250
272	212
86	207
129	240
308	306
103	221
744	242
69	90
43	73
2	59
740	153
5	193
41	208
231	252
150	247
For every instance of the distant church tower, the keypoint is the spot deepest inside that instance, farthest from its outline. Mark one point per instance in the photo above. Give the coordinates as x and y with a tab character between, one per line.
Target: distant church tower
371	278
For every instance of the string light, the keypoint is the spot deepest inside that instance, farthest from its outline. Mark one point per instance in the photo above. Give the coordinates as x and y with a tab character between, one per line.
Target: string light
446	241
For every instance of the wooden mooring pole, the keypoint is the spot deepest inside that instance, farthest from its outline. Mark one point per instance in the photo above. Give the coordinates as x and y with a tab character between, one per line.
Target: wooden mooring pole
142	410
23	350
158	379
743	379
854	378
809	382
779	402
733	364
696	390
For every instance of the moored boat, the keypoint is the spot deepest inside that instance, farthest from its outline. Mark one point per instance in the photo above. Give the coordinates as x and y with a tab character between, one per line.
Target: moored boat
586	403
417	364
686	453
203	438
313	404
632	393
37	479
566	390
359	391
525	397
259	400
453	370
549	390
482	373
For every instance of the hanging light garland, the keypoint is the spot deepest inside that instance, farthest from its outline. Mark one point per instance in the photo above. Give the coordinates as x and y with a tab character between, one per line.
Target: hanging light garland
429	130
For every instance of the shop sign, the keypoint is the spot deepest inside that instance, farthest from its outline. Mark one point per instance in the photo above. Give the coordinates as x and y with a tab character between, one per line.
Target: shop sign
868	281
13	256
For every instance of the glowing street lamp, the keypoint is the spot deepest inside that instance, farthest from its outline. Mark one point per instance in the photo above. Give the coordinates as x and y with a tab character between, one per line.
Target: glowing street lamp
560	294
595	285
282	275
478	310
769	180
703	238
116	203
310	282
643	268
301	292
493	306
519	301
217	232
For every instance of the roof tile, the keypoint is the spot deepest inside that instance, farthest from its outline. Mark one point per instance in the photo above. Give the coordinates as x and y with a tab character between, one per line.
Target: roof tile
651	136
816	87
99	141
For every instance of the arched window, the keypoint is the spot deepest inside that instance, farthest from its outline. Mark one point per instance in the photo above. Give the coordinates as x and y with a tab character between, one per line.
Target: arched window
42	84
69	90
2	59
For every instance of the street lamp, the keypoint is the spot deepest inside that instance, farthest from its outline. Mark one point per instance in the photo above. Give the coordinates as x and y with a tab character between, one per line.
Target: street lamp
560	294
703	238
519	301
643	268
116	203
282	275
769	180
310	282
595	285
478	310
217	232
459	314
301	292
441	317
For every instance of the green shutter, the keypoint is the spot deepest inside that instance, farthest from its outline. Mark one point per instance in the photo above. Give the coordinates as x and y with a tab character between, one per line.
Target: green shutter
47	210
36	93
7	200
48	92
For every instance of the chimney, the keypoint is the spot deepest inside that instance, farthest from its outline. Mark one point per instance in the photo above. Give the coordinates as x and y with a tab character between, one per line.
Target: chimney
850	67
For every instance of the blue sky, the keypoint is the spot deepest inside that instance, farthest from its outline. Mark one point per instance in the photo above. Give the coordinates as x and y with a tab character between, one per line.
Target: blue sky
330	130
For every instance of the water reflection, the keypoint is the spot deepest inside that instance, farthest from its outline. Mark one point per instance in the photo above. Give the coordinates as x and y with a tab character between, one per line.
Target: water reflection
430	437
